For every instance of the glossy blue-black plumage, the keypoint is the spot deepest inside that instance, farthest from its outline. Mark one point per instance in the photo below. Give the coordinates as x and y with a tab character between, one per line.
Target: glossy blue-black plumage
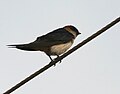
55	37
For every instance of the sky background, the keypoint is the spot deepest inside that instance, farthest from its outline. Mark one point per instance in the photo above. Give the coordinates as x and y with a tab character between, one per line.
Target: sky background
93	69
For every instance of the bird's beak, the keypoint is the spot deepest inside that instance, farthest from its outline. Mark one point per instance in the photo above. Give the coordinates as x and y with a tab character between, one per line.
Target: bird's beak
79	33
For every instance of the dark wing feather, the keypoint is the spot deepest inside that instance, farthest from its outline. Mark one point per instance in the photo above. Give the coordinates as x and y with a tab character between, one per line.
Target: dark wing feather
55	37
43	43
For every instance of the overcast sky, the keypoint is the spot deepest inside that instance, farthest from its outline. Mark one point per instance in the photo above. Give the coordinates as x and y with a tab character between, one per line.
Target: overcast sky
93	69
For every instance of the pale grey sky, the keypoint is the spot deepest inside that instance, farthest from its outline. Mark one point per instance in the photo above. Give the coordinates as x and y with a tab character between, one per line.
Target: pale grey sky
93	69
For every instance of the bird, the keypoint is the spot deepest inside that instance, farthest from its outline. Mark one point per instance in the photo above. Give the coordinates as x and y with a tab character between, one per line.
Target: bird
53	43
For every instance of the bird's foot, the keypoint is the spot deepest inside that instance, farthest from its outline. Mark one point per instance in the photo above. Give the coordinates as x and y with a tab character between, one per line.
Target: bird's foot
59	60
52	63
54	60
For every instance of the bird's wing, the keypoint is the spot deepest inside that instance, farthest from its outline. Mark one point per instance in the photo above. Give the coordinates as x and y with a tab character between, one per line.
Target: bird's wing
55	37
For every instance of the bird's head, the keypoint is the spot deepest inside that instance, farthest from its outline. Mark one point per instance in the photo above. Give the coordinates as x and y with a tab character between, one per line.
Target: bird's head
72	30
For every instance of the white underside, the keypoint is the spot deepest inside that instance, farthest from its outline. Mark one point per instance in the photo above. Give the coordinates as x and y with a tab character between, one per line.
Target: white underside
60	49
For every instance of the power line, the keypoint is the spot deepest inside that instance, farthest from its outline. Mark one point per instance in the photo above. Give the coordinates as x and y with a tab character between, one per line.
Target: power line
63	56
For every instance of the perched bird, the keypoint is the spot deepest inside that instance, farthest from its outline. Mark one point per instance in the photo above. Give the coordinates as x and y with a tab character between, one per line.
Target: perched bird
54	43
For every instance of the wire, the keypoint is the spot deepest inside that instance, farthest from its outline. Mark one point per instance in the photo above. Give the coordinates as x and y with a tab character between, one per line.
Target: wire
63	56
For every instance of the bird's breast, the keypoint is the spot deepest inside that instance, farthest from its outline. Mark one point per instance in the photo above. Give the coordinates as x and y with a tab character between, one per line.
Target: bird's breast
61	48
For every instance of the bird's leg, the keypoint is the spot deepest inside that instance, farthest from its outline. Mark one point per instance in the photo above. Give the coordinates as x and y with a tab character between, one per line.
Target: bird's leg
51	59
58	57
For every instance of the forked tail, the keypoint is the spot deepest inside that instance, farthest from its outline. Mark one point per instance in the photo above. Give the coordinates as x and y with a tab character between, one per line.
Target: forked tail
27	47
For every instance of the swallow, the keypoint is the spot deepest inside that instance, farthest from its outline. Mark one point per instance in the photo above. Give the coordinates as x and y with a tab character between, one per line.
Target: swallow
53	43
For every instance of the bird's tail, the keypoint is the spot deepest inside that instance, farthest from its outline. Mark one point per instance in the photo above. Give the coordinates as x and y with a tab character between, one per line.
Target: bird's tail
27	47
